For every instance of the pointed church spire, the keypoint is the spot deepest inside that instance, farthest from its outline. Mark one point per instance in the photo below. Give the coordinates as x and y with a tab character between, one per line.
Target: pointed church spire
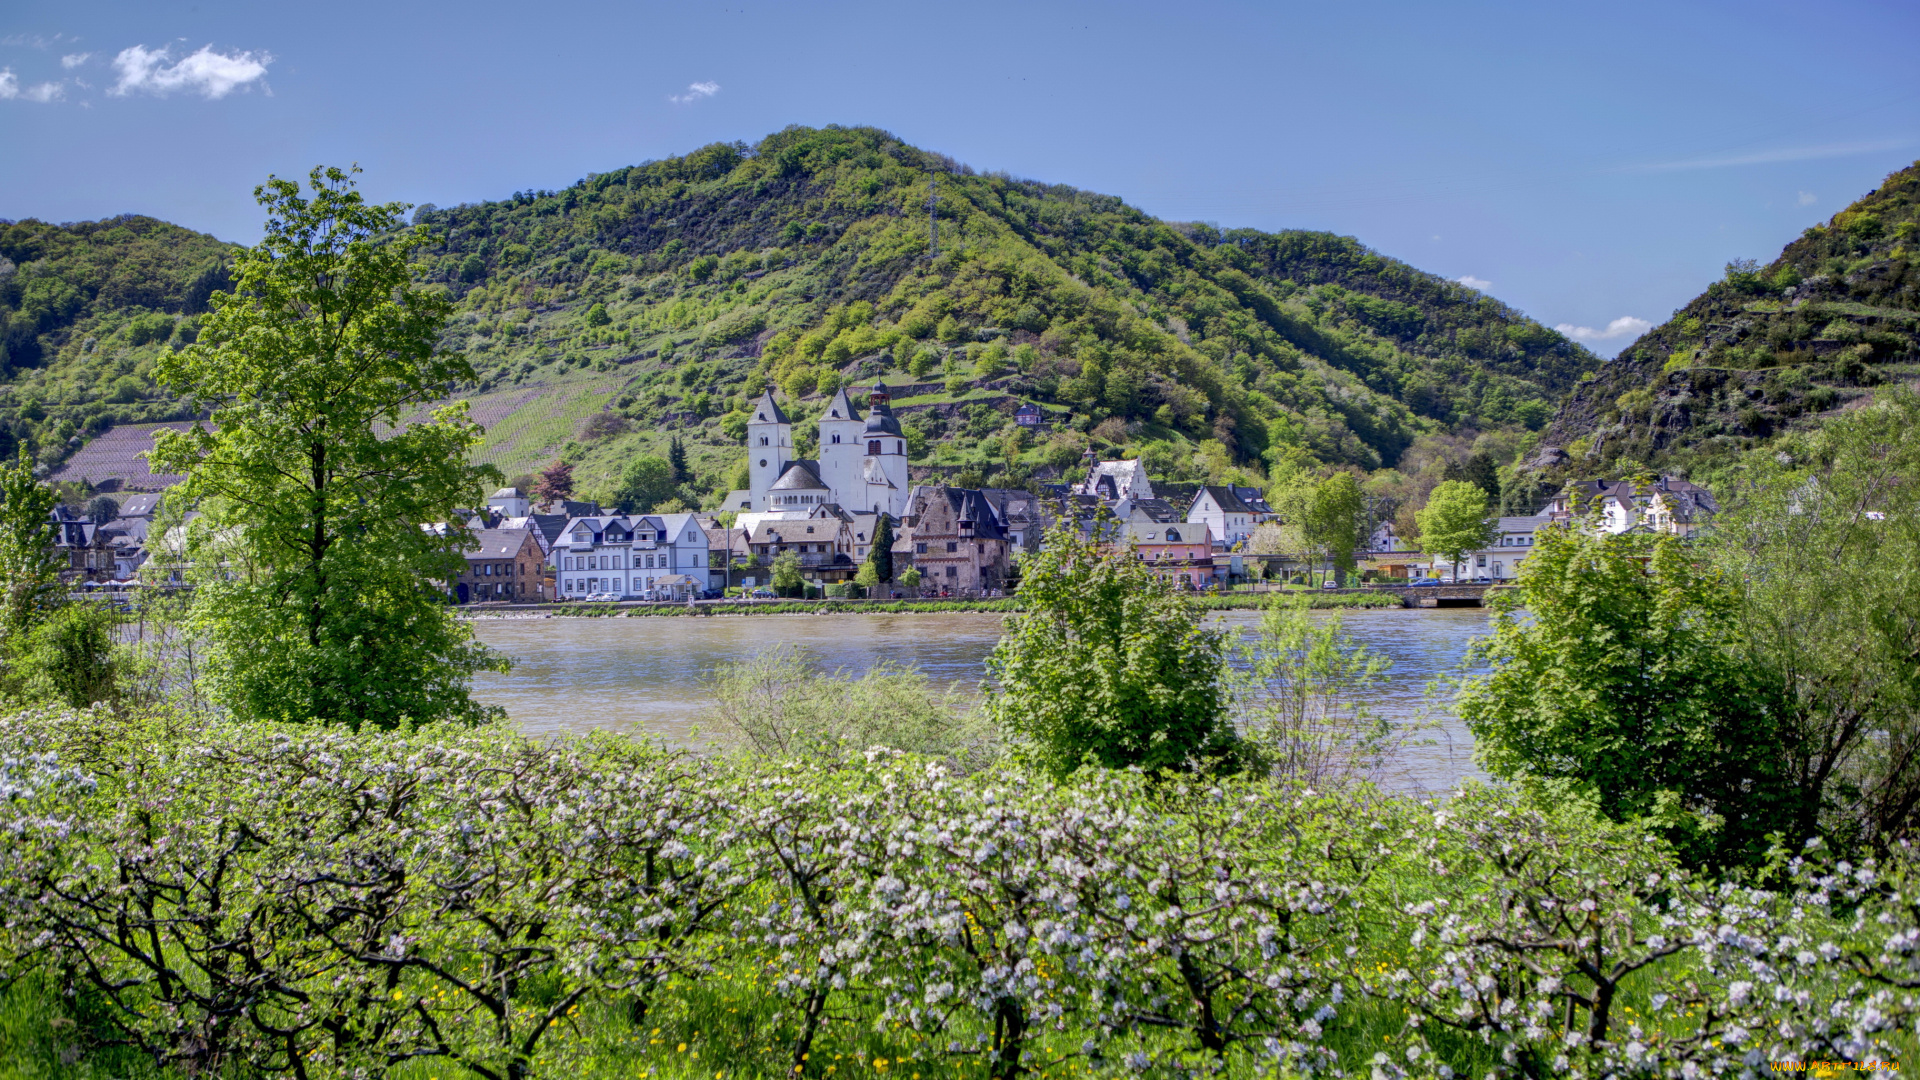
767	410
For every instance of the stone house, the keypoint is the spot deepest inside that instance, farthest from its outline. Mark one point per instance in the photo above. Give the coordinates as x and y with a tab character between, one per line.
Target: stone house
954	538
505	567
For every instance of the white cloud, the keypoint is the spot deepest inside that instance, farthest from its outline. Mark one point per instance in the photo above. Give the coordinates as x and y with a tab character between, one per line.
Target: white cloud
1770	157
695	91
211	74
10	89
74	60
1625	326
1472	282
1807	198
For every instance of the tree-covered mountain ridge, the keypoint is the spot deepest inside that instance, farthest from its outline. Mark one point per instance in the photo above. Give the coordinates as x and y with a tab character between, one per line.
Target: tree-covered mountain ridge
1763	350
659	298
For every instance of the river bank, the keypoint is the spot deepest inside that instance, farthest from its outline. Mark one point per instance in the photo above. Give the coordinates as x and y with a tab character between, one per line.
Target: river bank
650	675
1357	600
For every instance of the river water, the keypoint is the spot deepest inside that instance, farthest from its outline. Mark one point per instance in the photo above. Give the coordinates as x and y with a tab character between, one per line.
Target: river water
574	674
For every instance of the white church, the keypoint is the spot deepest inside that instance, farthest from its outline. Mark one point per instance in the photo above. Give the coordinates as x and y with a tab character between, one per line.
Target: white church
862	466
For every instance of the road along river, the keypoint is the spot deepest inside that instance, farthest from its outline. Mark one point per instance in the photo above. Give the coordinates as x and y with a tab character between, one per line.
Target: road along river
574	674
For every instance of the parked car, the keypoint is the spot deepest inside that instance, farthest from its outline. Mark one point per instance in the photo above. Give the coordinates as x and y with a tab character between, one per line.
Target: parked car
1483	581
603	598
1425	581
763	594
1329	584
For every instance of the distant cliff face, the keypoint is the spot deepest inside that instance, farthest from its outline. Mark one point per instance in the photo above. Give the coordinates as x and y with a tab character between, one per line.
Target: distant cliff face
1766	348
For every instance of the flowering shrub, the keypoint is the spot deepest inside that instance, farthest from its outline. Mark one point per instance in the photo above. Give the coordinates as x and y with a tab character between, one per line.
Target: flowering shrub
307	902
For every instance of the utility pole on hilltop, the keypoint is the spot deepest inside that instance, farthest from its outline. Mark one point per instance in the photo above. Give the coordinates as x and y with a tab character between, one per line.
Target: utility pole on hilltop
933	215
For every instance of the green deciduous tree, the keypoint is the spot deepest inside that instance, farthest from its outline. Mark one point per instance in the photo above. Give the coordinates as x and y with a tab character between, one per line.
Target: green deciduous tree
786	573
1107	664
1337	521
1455	521
29	566
317	585
1622	684
646	482
70	657
1300	686
1821	537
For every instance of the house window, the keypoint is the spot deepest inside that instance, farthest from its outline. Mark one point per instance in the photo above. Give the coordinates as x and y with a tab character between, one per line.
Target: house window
919	549
953	571
873	447
952	546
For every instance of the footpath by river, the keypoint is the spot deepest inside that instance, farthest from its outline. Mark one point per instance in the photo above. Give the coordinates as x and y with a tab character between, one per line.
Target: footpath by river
646	674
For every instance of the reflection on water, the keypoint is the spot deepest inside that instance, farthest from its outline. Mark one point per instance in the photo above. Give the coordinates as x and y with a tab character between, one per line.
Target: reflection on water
573	674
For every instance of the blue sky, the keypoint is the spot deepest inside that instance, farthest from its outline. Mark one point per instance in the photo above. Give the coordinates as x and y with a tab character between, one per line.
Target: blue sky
1591	164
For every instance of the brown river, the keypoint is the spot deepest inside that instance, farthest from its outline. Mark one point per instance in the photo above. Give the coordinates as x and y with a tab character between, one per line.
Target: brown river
573	674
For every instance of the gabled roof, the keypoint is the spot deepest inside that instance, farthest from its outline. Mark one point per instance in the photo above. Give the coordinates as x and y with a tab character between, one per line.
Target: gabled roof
1225	497
499	543
969	505
767	411
1145	510
1252	498
141	504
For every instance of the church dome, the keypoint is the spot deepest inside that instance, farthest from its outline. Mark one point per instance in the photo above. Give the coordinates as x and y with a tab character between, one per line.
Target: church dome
798	478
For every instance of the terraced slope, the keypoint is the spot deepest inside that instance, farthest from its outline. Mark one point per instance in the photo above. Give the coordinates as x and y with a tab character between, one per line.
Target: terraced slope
1767	348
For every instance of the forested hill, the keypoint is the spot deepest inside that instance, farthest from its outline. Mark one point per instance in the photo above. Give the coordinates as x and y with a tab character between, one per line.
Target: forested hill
658	298
84	308
1765	348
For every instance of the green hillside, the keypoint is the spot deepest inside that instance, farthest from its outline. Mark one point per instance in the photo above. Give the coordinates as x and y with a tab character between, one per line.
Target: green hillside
84	309
655	300
1763	350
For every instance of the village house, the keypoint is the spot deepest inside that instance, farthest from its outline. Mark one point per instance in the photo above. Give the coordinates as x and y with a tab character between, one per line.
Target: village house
628	555
1668	504
1116	480
506	566
819	542
1500	561
954	539
1226	516
1022	517
1181	552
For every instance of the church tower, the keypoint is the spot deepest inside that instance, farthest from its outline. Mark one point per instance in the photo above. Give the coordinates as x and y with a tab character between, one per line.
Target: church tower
884	465
769	447
840	448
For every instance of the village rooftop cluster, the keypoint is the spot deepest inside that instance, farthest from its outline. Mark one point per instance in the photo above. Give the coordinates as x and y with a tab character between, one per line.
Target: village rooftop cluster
828	512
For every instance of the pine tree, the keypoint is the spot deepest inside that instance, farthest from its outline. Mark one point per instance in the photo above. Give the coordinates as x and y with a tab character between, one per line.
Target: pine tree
677	460
882	554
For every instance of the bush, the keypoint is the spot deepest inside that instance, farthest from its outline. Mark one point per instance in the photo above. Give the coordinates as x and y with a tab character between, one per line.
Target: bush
1107	665
503	906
